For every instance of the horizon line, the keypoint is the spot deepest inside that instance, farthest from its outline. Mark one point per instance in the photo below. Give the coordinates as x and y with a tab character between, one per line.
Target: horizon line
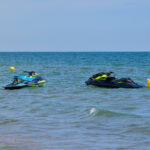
67	51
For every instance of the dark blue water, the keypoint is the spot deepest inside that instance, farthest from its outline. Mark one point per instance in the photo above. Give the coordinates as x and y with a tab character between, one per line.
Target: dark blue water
66	114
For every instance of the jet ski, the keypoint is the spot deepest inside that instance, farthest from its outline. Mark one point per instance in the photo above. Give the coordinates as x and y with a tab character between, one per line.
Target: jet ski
108	81
20	81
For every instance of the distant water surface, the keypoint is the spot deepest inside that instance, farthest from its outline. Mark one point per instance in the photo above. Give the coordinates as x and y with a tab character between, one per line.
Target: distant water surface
66	114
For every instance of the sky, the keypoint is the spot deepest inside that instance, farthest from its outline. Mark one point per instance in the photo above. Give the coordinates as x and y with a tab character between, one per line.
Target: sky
74	25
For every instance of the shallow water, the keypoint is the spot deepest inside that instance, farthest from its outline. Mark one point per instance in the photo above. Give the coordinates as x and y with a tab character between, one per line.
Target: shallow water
65	113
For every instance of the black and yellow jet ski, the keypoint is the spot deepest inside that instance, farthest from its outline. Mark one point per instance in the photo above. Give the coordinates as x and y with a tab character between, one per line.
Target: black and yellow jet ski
108	81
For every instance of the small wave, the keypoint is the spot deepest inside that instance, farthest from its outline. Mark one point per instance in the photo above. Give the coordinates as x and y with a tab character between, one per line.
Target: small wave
106	113
23	141
138	129
8	121
93	111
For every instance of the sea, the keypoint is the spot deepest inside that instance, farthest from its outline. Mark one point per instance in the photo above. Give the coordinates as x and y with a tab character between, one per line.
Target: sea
66	114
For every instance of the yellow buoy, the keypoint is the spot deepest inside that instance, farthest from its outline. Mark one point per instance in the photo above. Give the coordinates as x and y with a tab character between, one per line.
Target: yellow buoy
148	83
12	68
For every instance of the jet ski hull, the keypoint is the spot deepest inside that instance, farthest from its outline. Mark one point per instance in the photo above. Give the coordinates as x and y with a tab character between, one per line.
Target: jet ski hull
13	87
111	84
30	84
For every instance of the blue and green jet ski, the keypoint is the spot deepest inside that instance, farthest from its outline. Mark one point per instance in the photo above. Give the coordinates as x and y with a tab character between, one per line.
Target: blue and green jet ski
108	81
20	81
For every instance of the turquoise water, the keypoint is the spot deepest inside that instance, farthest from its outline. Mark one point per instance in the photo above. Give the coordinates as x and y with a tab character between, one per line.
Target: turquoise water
66	114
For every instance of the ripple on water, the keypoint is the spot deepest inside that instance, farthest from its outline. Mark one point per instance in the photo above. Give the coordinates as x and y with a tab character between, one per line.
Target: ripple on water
8	121
107	113
10	143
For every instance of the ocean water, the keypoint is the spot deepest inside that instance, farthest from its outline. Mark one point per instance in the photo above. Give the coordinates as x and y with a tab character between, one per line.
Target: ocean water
66	114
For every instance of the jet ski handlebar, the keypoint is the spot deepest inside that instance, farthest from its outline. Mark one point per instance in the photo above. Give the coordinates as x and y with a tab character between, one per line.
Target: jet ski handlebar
30	72
109	73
